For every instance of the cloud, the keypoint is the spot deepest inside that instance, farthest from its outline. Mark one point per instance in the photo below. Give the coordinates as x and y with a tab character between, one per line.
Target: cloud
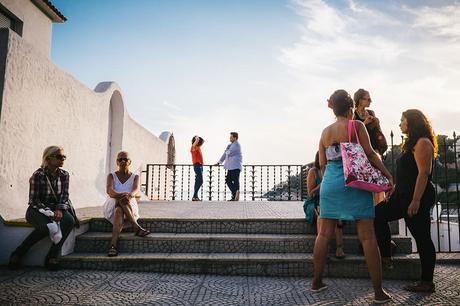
442	21
171	106
406	56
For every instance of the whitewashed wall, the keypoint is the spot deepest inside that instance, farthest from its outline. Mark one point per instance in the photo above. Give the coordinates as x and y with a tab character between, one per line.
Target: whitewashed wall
43	105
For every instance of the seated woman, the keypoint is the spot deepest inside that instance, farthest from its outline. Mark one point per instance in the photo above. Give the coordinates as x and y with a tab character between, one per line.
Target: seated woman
48	206
120	206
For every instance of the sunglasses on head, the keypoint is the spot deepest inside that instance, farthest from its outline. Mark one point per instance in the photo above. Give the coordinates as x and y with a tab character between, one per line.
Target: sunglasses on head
59	156
125	159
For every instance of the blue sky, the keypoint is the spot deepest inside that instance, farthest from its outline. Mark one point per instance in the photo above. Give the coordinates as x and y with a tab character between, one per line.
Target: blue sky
264	68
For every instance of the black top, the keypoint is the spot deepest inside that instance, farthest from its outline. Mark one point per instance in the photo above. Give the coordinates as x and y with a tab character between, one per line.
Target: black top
371	128
406	177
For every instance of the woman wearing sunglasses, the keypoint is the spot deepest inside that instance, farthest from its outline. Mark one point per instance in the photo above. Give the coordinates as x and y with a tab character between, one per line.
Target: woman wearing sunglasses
121	206
48	203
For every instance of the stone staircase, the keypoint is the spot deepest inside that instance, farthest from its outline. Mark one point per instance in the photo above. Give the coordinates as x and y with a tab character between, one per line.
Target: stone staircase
263	247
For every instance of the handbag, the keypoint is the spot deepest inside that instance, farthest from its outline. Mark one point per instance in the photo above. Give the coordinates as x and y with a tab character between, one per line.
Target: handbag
69	203
357	169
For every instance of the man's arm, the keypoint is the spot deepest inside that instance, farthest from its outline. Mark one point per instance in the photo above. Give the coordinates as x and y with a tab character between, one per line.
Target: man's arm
234	149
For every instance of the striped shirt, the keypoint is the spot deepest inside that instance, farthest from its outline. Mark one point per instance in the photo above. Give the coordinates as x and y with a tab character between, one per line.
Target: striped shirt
40	193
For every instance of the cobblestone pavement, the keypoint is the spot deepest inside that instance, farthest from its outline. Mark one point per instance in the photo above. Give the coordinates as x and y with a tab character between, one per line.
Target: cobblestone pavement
36	286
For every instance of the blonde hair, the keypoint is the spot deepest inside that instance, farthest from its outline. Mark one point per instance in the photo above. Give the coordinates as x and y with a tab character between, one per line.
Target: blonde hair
48	152
122	152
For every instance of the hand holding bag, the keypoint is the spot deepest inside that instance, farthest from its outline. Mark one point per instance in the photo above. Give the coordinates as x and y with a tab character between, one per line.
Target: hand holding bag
357	169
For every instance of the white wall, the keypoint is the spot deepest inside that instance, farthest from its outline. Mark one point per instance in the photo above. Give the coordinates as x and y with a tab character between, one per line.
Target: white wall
37	27
43	105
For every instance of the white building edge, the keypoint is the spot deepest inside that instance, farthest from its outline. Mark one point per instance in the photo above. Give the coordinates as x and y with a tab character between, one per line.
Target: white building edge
42	105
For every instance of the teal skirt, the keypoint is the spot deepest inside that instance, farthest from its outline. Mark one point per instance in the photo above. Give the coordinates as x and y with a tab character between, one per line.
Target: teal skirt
338	201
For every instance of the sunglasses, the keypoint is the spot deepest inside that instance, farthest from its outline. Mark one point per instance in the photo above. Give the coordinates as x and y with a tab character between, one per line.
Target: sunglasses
60	157
368	99
121	159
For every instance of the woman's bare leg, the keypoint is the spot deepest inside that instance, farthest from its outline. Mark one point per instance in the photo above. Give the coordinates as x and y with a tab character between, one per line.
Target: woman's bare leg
326	230
117	225
366	235
127	209
339	241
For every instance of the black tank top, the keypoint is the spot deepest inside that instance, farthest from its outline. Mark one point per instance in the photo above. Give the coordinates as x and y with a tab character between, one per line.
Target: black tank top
406	177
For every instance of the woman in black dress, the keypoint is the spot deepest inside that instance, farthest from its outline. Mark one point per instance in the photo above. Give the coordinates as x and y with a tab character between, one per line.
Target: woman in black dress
413	197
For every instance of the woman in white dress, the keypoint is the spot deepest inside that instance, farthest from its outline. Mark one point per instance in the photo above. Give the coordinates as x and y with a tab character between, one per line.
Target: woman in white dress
121	207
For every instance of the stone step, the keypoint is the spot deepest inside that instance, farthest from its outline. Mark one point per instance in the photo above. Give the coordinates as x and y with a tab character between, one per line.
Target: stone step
96	242
222	226
253	264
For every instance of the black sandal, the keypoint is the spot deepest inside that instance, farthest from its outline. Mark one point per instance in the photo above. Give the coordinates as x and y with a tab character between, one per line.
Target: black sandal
112	251
142	232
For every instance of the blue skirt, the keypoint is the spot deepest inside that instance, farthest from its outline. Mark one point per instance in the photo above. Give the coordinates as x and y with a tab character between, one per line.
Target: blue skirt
338	201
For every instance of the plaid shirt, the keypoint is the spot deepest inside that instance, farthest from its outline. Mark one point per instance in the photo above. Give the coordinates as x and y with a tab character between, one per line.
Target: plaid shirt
40	193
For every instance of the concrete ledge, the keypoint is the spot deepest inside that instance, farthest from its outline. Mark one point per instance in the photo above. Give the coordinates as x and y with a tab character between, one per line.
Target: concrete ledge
18	229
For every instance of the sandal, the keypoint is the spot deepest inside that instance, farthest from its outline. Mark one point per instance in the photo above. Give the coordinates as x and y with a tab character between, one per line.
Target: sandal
421	286
112	251
142	232
339	256
322	287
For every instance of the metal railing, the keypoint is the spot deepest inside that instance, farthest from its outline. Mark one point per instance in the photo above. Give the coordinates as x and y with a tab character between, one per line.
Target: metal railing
257	182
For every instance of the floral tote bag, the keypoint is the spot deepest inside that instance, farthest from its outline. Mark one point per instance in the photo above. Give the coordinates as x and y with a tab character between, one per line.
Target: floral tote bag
357	169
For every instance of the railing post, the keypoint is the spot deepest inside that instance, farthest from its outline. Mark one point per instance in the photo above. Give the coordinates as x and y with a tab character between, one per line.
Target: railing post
253	181
456	181
210	183
146	184
159	180
289	182
392	156
173	182
447	191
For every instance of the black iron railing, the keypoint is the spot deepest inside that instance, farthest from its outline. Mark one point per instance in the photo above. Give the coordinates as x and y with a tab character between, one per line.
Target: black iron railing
257	182
288	183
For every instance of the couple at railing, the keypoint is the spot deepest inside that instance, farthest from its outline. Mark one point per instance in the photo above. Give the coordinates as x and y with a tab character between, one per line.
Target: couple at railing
232	160
411	198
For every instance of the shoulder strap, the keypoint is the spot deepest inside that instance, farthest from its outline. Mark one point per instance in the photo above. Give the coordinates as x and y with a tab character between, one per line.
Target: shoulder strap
351	125
51	187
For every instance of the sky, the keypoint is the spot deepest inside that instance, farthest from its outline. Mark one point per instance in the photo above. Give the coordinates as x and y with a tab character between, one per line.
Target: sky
264	68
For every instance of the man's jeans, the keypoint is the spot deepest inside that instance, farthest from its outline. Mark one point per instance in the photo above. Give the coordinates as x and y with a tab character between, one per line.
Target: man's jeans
198	178
233	181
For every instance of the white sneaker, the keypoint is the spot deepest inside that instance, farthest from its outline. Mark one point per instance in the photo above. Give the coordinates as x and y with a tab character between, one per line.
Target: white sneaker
237	195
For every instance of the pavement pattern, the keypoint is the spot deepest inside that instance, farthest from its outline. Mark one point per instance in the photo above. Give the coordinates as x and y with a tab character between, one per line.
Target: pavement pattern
37	286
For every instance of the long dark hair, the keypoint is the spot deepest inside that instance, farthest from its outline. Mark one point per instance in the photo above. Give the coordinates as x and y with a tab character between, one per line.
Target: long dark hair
317	166
359	94
418	126
200	141
341	102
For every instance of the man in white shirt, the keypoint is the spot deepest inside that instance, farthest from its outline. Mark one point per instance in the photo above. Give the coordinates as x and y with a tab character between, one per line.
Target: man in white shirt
232	160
